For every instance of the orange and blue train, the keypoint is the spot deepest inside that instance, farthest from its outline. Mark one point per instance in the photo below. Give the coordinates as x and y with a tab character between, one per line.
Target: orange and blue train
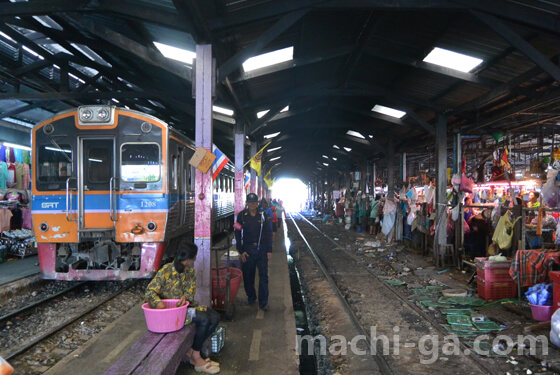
113	193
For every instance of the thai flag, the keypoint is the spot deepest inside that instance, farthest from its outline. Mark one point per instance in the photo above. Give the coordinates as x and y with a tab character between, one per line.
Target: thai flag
247	180
219	163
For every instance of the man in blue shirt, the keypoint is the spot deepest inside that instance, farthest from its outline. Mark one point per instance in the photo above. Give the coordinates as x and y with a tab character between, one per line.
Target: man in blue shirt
253	236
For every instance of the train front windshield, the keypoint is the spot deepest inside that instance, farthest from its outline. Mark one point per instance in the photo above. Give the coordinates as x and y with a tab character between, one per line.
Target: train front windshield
54	166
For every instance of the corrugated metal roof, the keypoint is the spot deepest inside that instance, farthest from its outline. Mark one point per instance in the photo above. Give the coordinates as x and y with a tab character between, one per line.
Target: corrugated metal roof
348	56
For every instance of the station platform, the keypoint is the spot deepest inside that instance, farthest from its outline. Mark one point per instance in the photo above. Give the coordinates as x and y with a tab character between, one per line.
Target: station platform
16	273
257	342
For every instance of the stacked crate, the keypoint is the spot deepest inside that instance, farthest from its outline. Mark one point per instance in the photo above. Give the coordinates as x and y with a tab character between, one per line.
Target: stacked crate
493	280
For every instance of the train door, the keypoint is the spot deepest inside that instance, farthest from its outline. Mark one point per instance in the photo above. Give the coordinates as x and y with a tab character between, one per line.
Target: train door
96	183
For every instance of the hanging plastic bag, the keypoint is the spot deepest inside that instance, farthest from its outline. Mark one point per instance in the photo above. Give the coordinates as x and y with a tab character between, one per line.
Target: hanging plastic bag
550	192
456	179
467	184
411	217
388	221
504	232
455	213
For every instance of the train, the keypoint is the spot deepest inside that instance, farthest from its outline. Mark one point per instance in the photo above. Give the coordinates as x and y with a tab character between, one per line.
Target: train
112	193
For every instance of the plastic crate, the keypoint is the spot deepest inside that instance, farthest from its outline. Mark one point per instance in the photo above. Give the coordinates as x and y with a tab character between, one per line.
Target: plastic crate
491	290
218	338
493	274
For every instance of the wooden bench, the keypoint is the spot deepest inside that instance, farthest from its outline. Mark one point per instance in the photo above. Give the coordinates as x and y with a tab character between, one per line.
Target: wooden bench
155	353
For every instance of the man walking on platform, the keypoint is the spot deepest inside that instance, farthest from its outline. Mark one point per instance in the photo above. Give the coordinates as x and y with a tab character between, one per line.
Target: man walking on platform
253	236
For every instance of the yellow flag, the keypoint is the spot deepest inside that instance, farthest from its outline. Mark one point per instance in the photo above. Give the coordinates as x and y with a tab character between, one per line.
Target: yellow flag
268	180
257	159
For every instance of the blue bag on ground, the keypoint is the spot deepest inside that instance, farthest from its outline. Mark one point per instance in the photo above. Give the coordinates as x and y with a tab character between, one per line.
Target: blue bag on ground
540	294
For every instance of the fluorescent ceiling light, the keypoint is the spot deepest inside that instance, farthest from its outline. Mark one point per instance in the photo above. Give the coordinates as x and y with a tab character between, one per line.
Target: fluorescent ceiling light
276	158
272	135
224	111
115	100
388	111
348	149
274	149
335	159
371	136
335	146
13	145
326	164
175	53
355	134
59	150
262	113
267	59
96	160
325	156
453	60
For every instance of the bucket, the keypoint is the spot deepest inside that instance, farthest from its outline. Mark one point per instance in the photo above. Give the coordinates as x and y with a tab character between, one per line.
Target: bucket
165	320
541	313
219	296
359	229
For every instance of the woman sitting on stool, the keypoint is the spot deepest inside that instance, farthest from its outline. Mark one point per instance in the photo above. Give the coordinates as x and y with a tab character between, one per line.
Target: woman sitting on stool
177	280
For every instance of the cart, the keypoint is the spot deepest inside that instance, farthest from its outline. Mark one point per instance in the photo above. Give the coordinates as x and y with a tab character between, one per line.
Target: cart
225	282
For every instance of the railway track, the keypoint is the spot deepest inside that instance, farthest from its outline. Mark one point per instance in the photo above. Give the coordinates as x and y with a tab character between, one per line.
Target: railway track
25	310
77	313
348	278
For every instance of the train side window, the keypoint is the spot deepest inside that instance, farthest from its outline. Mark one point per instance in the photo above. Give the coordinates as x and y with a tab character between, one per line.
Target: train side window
174	172
54	166
140	162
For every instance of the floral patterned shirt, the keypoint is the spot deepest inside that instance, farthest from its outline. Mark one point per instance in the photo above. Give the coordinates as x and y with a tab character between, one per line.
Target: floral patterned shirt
170	284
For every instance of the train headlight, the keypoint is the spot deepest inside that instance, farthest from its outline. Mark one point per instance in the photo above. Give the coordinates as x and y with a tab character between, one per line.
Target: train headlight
146	127
103	114
48	129
44	227
96	115
86	115
151	226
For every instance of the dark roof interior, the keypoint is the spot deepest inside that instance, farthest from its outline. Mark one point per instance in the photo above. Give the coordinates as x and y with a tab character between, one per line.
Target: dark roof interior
348	56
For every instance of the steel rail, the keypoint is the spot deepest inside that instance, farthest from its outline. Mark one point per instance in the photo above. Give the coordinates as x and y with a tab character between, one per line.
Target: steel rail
67	323
480	363
379	358
37	303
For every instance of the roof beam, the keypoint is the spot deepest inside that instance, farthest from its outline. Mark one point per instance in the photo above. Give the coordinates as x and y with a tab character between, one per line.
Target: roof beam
264	39
521	44
150	56
37	8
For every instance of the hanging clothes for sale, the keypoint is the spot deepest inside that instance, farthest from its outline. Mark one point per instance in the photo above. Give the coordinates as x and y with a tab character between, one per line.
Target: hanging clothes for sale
11	175
5	217
18	155
19	176
3	175
26	177
26	222
16	220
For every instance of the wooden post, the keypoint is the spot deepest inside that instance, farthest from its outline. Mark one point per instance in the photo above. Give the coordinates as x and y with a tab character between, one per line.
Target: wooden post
204	76
239	142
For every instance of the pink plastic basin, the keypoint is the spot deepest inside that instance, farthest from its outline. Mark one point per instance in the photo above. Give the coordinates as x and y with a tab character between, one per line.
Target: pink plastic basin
541	313
165	320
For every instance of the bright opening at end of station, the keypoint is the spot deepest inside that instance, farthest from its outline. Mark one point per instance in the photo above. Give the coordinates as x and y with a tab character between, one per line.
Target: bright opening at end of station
292	191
